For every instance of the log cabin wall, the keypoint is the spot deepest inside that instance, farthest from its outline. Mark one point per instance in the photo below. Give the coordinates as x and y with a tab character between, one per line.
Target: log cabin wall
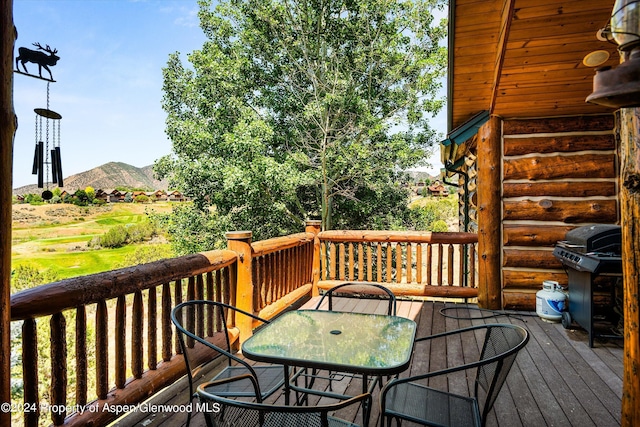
557	173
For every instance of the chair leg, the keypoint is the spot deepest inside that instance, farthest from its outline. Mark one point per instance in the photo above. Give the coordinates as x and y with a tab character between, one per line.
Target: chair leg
389	420
305	397
190	413
314	373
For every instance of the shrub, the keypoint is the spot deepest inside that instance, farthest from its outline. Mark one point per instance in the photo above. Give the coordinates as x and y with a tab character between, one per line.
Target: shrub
33	199
142	198
115	237
27	276
145	254
439	226
141	232
428	212
94	242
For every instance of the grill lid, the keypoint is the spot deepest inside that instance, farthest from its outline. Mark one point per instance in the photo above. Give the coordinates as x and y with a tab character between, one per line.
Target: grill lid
602	238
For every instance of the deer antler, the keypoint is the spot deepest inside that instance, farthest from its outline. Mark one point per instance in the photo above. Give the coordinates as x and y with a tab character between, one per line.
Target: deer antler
46	49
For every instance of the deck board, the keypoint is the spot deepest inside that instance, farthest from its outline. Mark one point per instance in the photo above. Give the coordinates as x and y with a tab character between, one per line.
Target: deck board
556	380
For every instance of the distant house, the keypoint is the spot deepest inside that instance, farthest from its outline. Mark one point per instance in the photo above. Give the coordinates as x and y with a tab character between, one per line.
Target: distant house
116	196
157	196
438	189
175	196
108	195
101	195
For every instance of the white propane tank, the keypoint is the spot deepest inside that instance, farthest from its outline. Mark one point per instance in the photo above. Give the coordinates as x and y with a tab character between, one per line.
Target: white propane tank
550	301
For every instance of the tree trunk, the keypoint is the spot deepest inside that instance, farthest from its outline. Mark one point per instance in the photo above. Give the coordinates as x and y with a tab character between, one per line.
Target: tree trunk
327	208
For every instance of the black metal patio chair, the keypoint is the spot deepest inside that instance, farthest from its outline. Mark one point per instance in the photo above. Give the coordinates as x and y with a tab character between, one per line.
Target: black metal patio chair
405	399
197	322
360	288
222	411
357	288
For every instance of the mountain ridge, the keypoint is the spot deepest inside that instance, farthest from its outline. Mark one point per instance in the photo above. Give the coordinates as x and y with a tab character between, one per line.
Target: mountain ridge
119	174
107	176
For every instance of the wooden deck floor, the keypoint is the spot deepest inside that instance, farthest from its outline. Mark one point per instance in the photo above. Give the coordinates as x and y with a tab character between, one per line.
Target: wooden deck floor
557	379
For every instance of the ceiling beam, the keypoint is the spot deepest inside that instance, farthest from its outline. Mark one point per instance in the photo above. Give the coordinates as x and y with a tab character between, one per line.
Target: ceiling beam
505	26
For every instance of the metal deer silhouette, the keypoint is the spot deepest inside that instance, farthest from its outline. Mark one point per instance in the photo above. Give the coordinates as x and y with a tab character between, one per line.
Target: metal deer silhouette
42	59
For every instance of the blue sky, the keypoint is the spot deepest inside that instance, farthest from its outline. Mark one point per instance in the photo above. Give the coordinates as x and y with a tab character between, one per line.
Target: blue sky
108	85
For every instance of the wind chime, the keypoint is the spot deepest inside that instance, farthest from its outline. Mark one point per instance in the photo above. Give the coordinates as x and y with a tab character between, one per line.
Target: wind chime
46	159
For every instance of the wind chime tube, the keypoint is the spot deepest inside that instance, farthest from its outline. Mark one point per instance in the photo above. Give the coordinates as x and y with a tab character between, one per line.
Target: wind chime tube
40	164
36	162
58	167
54	168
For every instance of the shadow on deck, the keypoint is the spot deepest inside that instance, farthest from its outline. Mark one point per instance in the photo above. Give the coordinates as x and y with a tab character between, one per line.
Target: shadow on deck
557	379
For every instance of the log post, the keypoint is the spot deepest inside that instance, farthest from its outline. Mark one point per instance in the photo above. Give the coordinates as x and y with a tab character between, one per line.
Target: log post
7	133
489	214
240	243
313	226
58	389
630	213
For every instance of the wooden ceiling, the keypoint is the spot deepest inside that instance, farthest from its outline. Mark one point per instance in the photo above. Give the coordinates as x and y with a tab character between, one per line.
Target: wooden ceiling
523	58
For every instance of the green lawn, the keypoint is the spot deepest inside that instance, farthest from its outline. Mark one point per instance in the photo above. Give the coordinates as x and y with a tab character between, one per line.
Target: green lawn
72	264
56	237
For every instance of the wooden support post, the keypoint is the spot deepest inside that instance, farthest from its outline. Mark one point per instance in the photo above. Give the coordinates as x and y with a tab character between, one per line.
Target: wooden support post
630	212
313	226
7	133
489	214
240	243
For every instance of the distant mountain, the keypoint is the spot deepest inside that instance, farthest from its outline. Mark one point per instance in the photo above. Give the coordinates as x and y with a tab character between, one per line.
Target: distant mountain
107	176
417	176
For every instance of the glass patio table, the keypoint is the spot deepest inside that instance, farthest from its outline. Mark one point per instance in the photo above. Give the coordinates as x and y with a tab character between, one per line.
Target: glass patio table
357	343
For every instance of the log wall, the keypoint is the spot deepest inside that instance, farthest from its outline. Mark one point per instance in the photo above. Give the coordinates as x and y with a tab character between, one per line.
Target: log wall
557	174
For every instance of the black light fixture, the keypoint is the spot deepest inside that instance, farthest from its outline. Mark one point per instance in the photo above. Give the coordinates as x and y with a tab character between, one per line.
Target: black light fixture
620	87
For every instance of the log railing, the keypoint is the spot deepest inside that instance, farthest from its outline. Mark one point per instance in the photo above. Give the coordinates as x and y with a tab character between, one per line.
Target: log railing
115	327
281	267
272	273
408	262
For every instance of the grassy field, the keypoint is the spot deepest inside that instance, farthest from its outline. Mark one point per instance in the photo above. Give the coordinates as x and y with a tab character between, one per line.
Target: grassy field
55	237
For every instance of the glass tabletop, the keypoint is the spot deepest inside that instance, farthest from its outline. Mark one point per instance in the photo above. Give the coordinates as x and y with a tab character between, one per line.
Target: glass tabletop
349	342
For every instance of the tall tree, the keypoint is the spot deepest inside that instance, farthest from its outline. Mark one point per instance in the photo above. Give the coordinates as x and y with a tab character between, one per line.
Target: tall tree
301	108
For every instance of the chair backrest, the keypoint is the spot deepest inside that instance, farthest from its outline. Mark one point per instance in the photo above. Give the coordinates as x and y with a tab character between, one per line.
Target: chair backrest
202	327
502	342
361	288
220	411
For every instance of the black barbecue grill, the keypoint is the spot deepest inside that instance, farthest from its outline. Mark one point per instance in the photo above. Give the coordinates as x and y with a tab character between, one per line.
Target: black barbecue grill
586	253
